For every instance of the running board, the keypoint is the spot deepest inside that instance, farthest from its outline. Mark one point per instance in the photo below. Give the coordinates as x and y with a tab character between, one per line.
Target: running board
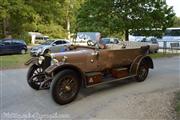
110	81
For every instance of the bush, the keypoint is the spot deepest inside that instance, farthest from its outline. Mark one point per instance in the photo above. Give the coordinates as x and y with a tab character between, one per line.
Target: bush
23	36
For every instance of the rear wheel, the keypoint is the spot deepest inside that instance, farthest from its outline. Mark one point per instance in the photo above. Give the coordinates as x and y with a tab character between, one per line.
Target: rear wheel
23	51
35	76
65	87
142	73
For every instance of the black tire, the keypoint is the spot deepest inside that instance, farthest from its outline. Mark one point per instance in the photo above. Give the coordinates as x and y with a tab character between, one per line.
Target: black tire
142	72
46	51
65	87
35	76
23	51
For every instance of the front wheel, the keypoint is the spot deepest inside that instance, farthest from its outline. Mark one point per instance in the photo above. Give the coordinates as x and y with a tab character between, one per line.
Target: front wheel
65	87
35	77
46	51
142	72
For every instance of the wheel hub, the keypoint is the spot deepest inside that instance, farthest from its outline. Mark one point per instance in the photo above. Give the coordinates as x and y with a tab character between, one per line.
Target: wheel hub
67	88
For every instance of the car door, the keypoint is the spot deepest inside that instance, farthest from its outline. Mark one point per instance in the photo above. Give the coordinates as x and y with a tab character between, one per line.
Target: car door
14	48
2	47
108	59
56	46
6	47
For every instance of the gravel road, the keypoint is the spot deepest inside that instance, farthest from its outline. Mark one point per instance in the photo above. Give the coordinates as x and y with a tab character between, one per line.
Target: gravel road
152	99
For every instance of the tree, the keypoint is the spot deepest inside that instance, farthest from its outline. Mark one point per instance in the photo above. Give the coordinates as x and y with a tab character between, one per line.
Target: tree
17	17
70	9
14	14
176	22
114	16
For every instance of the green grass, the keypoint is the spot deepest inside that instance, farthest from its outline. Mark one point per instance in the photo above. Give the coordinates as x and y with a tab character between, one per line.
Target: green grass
13	61
161	55
178	104
17	61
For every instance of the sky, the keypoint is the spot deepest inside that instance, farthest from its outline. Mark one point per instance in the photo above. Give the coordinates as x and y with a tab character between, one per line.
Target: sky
176	6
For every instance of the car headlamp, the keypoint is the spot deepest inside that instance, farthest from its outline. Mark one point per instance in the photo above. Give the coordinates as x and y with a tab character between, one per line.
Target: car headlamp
52	55
41	58
54	61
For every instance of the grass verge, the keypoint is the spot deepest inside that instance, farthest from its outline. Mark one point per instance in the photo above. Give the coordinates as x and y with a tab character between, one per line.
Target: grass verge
178	105
17	61
13	61
161	55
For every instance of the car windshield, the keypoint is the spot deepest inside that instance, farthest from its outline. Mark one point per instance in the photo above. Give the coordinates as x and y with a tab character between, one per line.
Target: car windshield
154	41
48	42
175	32
105	41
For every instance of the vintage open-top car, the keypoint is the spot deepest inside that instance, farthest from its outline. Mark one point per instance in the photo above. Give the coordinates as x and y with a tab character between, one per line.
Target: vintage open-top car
85	66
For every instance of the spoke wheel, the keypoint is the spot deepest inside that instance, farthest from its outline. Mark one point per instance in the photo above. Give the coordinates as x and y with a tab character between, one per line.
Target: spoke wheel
35	76
142	72
65	87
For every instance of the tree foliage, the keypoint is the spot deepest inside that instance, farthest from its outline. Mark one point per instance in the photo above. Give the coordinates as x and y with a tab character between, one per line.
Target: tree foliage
176	22
110	17
13	14
46	16
114	16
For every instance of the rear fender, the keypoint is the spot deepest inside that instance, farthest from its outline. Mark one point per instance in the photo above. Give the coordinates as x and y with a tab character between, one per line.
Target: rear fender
137	62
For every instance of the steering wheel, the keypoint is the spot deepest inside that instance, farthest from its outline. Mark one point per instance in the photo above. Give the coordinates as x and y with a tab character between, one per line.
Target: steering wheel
91	43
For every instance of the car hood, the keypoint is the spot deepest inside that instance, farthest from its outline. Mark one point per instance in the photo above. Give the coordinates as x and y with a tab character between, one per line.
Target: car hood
72	56
40	46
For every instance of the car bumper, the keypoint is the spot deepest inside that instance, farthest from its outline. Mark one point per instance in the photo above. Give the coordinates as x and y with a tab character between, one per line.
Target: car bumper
34	54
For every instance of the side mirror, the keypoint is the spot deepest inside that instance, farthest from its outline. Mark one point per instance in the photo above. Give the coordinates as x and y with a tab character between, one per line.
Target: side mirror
53	44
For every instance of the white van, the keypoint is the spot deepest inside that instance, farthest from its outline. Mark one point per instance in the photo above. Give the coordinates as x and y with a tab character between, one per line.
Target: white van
83	38
172	35
140	35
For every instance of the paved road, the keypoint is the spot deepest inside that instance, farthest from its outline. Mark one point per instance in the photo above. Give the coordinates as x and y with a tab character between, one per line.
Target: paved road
124	99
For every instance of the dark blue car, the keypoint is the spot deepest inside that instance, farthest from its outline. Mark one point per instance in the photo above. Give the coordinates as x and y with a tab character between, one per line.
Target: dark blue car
10	46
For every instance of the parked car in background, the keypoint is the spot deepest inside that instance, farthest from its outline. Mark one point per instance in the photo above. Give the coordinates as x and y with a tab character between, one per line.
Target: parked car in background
104	41
54	45
10	46
152	42
171	35
87	38
109	41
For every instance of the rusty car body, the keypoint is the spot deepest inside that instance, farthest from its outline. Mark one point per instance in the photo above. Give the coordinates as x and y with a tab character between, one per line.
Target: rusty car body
84	66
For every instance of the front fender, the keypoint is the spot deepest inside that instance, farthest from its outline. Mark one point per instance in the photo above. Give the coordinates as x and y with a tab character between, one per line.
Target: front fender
61	66
33	60
54	69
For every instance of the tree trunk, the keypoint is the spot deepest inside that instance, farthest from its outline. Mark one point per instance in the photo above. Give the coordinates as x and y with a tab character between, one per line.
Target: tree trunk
126	35
4	27
68	28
